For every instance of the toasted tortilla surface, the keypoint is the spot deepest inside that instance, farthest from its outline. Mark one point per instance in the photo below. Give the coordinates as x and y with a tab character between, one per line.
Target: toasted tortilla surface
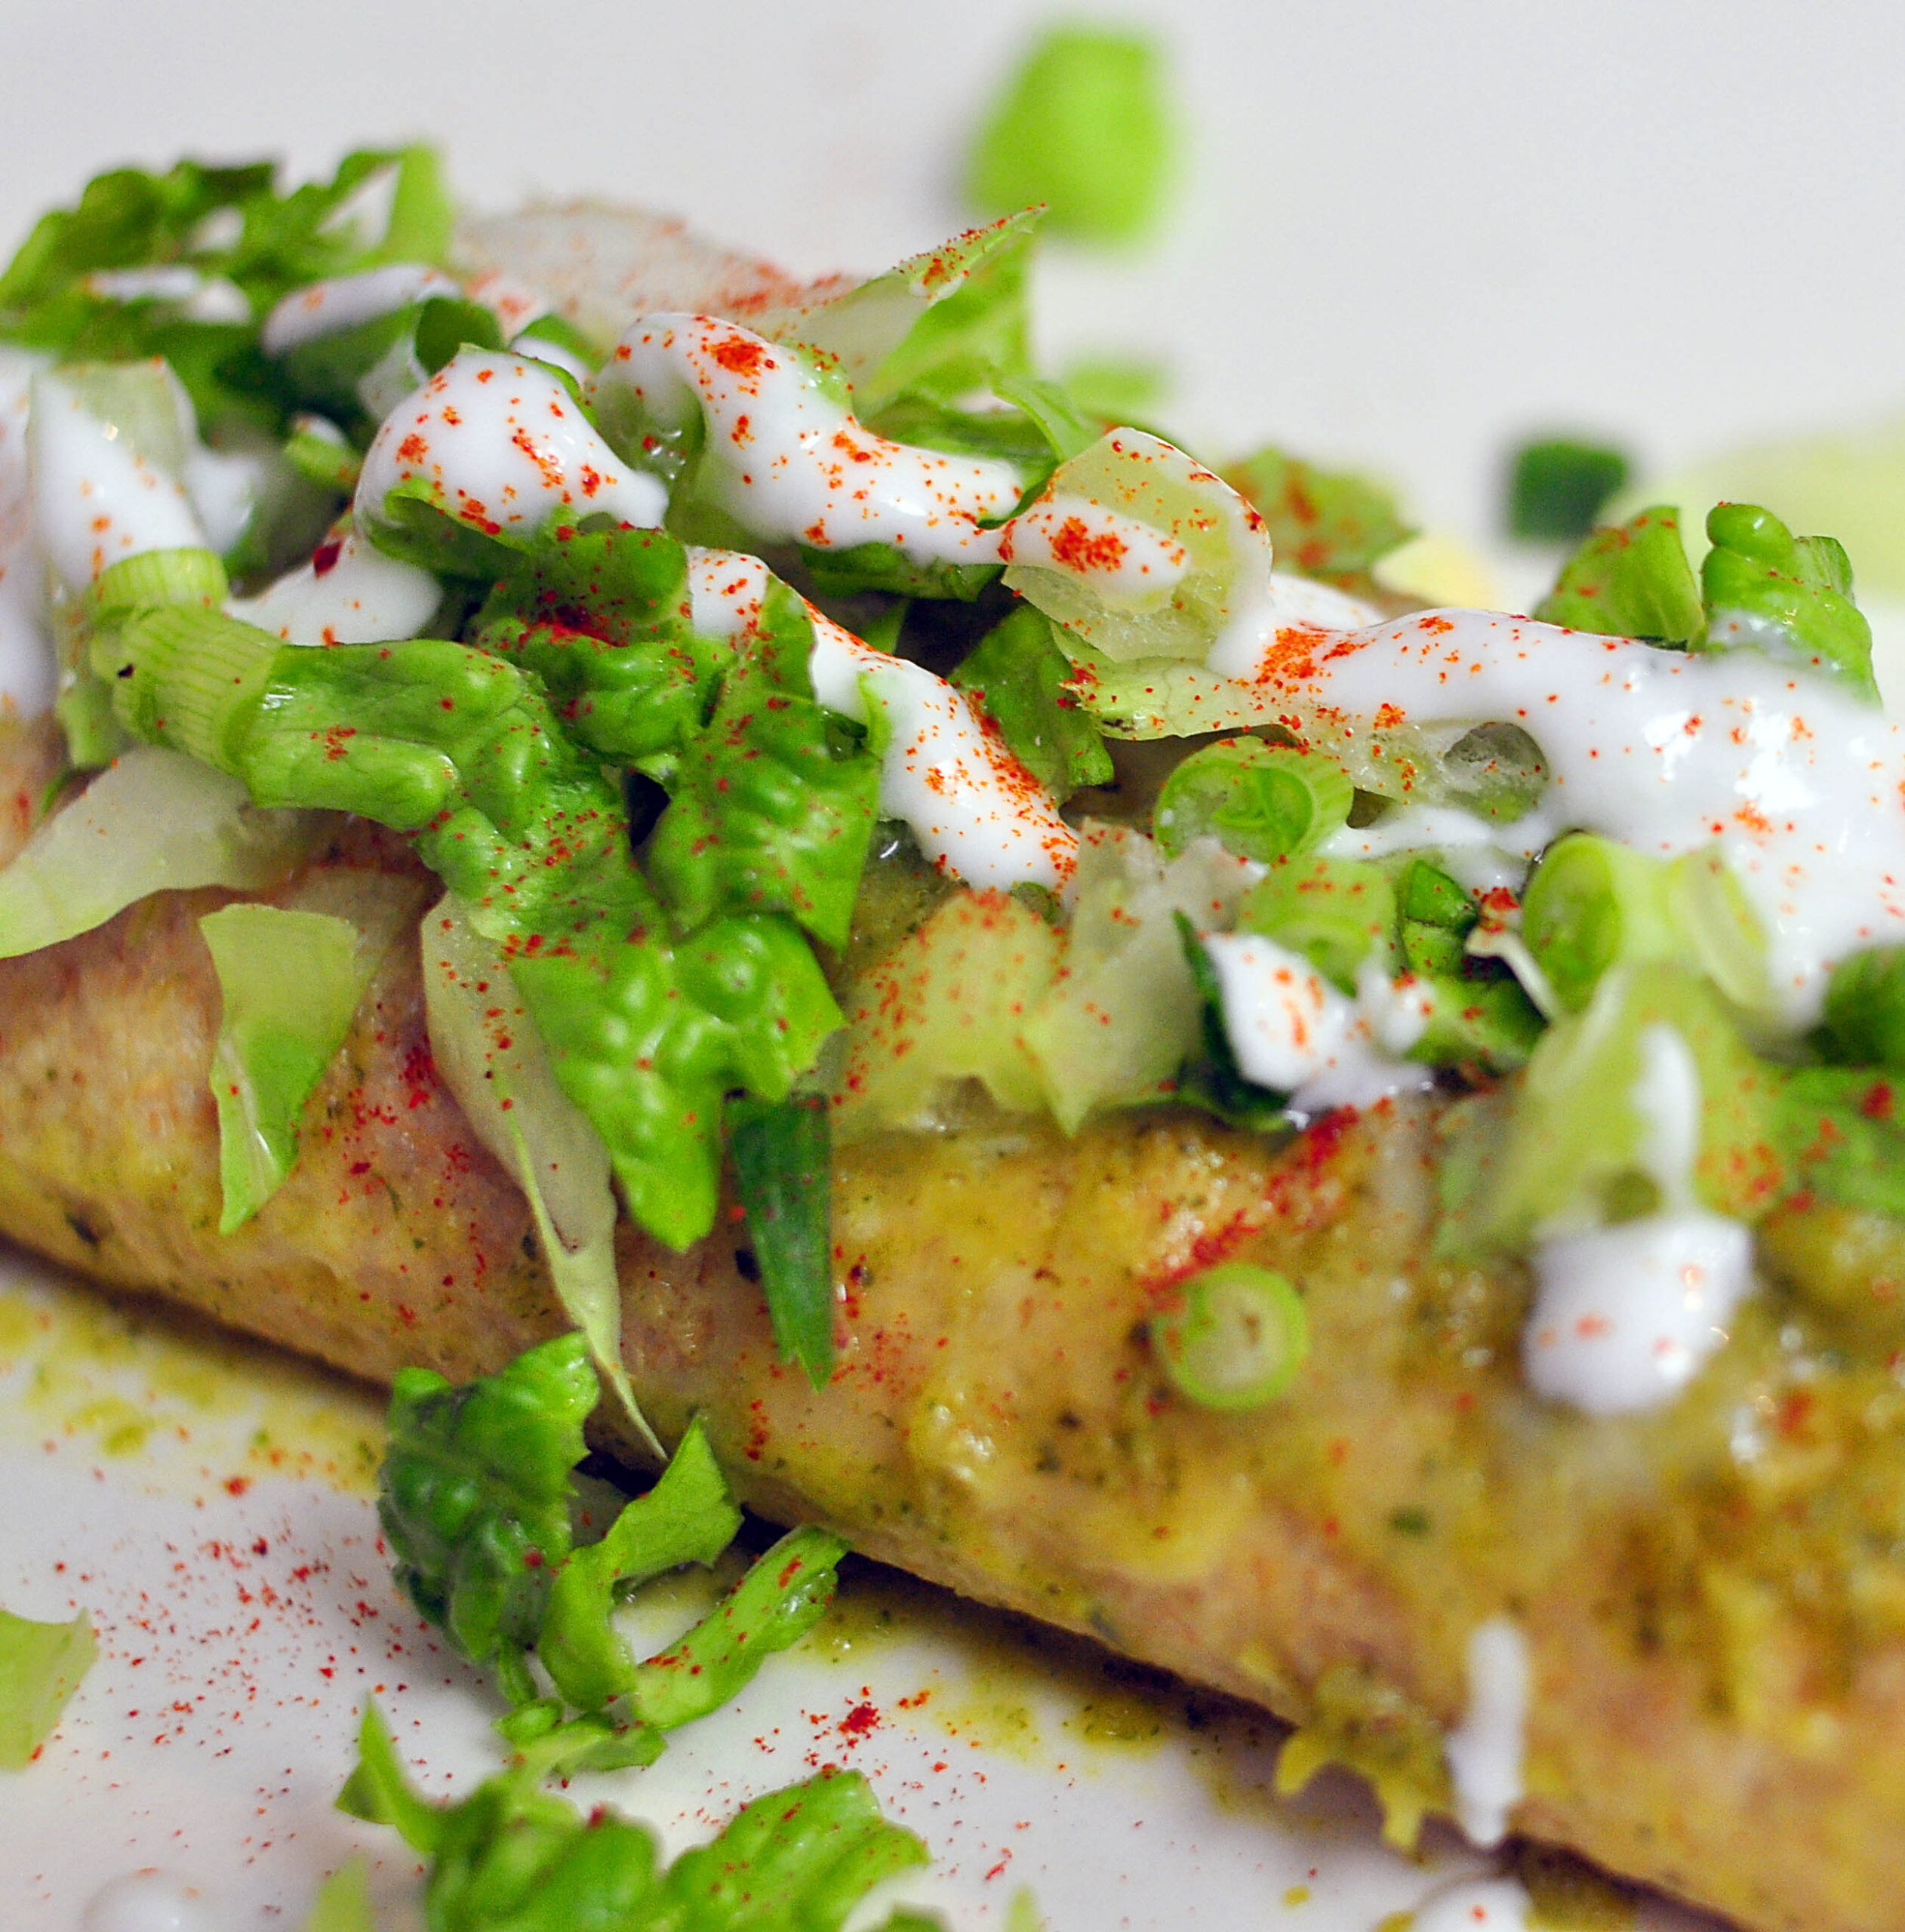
1718	1702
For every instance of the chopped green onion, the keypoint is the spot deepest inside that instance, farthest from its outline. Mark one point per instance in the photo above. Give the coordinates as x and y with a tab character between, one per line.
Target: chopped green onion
1593	903
1265	802
1236	1340
41	1665
1557	487
1084	126
1336	912
1769	590
783	1156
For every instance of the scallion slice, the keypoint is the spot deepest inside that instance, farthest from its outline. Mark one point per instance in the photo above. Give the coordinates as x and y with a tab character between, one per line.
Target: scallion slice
1237	1339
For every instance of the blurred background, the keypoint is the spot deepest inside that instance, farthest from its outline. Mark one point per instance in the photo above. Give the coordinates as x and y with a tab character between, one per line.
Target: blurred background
1400	238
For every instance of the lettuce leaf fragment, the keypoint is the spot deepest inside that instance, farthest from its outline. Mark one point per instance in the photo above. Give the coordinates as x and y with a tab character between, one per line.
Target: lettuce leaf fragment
1020	678
1330	525
478	1501
41	1665
290	983
1633	580
1084	125
511	1858
232	226
487	1050
342	1903
154	821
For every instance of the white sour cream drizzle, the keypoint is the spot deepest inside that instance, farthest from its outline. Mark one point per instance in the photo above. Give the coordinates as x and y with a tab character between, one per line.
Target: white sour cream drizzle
972	806
1624	1316
200	298
1291	603
1799	784
791	461
1122	559
348	592
1293	1033
96	499
1484	1751
328	308
29	675
502	445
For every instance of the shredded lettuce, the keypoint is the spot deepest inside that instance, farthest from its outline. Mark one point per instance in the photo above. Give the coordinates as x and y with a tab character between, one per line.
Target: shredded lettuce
600	617
531	834
290	982
490	1058
1019	675
1131	476
1325	524
939	325
232	225
950	1003
1574	1154
511	1858
1125	1014
1633	580
153	821
477	1499
474	1495
357	375
342	1903
1084	125
41	1665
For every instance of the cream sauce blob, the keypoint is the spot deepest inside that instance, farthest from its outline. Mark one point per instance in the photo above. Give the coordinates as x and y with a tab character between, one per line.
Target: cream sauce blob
1624	1316
1295	1033
502	446
329	307
1291	603
200	298
1121	558
1803	786
1484	1751
348	591
29	670
791	461
96	499
970	804
1475	1904
148	1900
